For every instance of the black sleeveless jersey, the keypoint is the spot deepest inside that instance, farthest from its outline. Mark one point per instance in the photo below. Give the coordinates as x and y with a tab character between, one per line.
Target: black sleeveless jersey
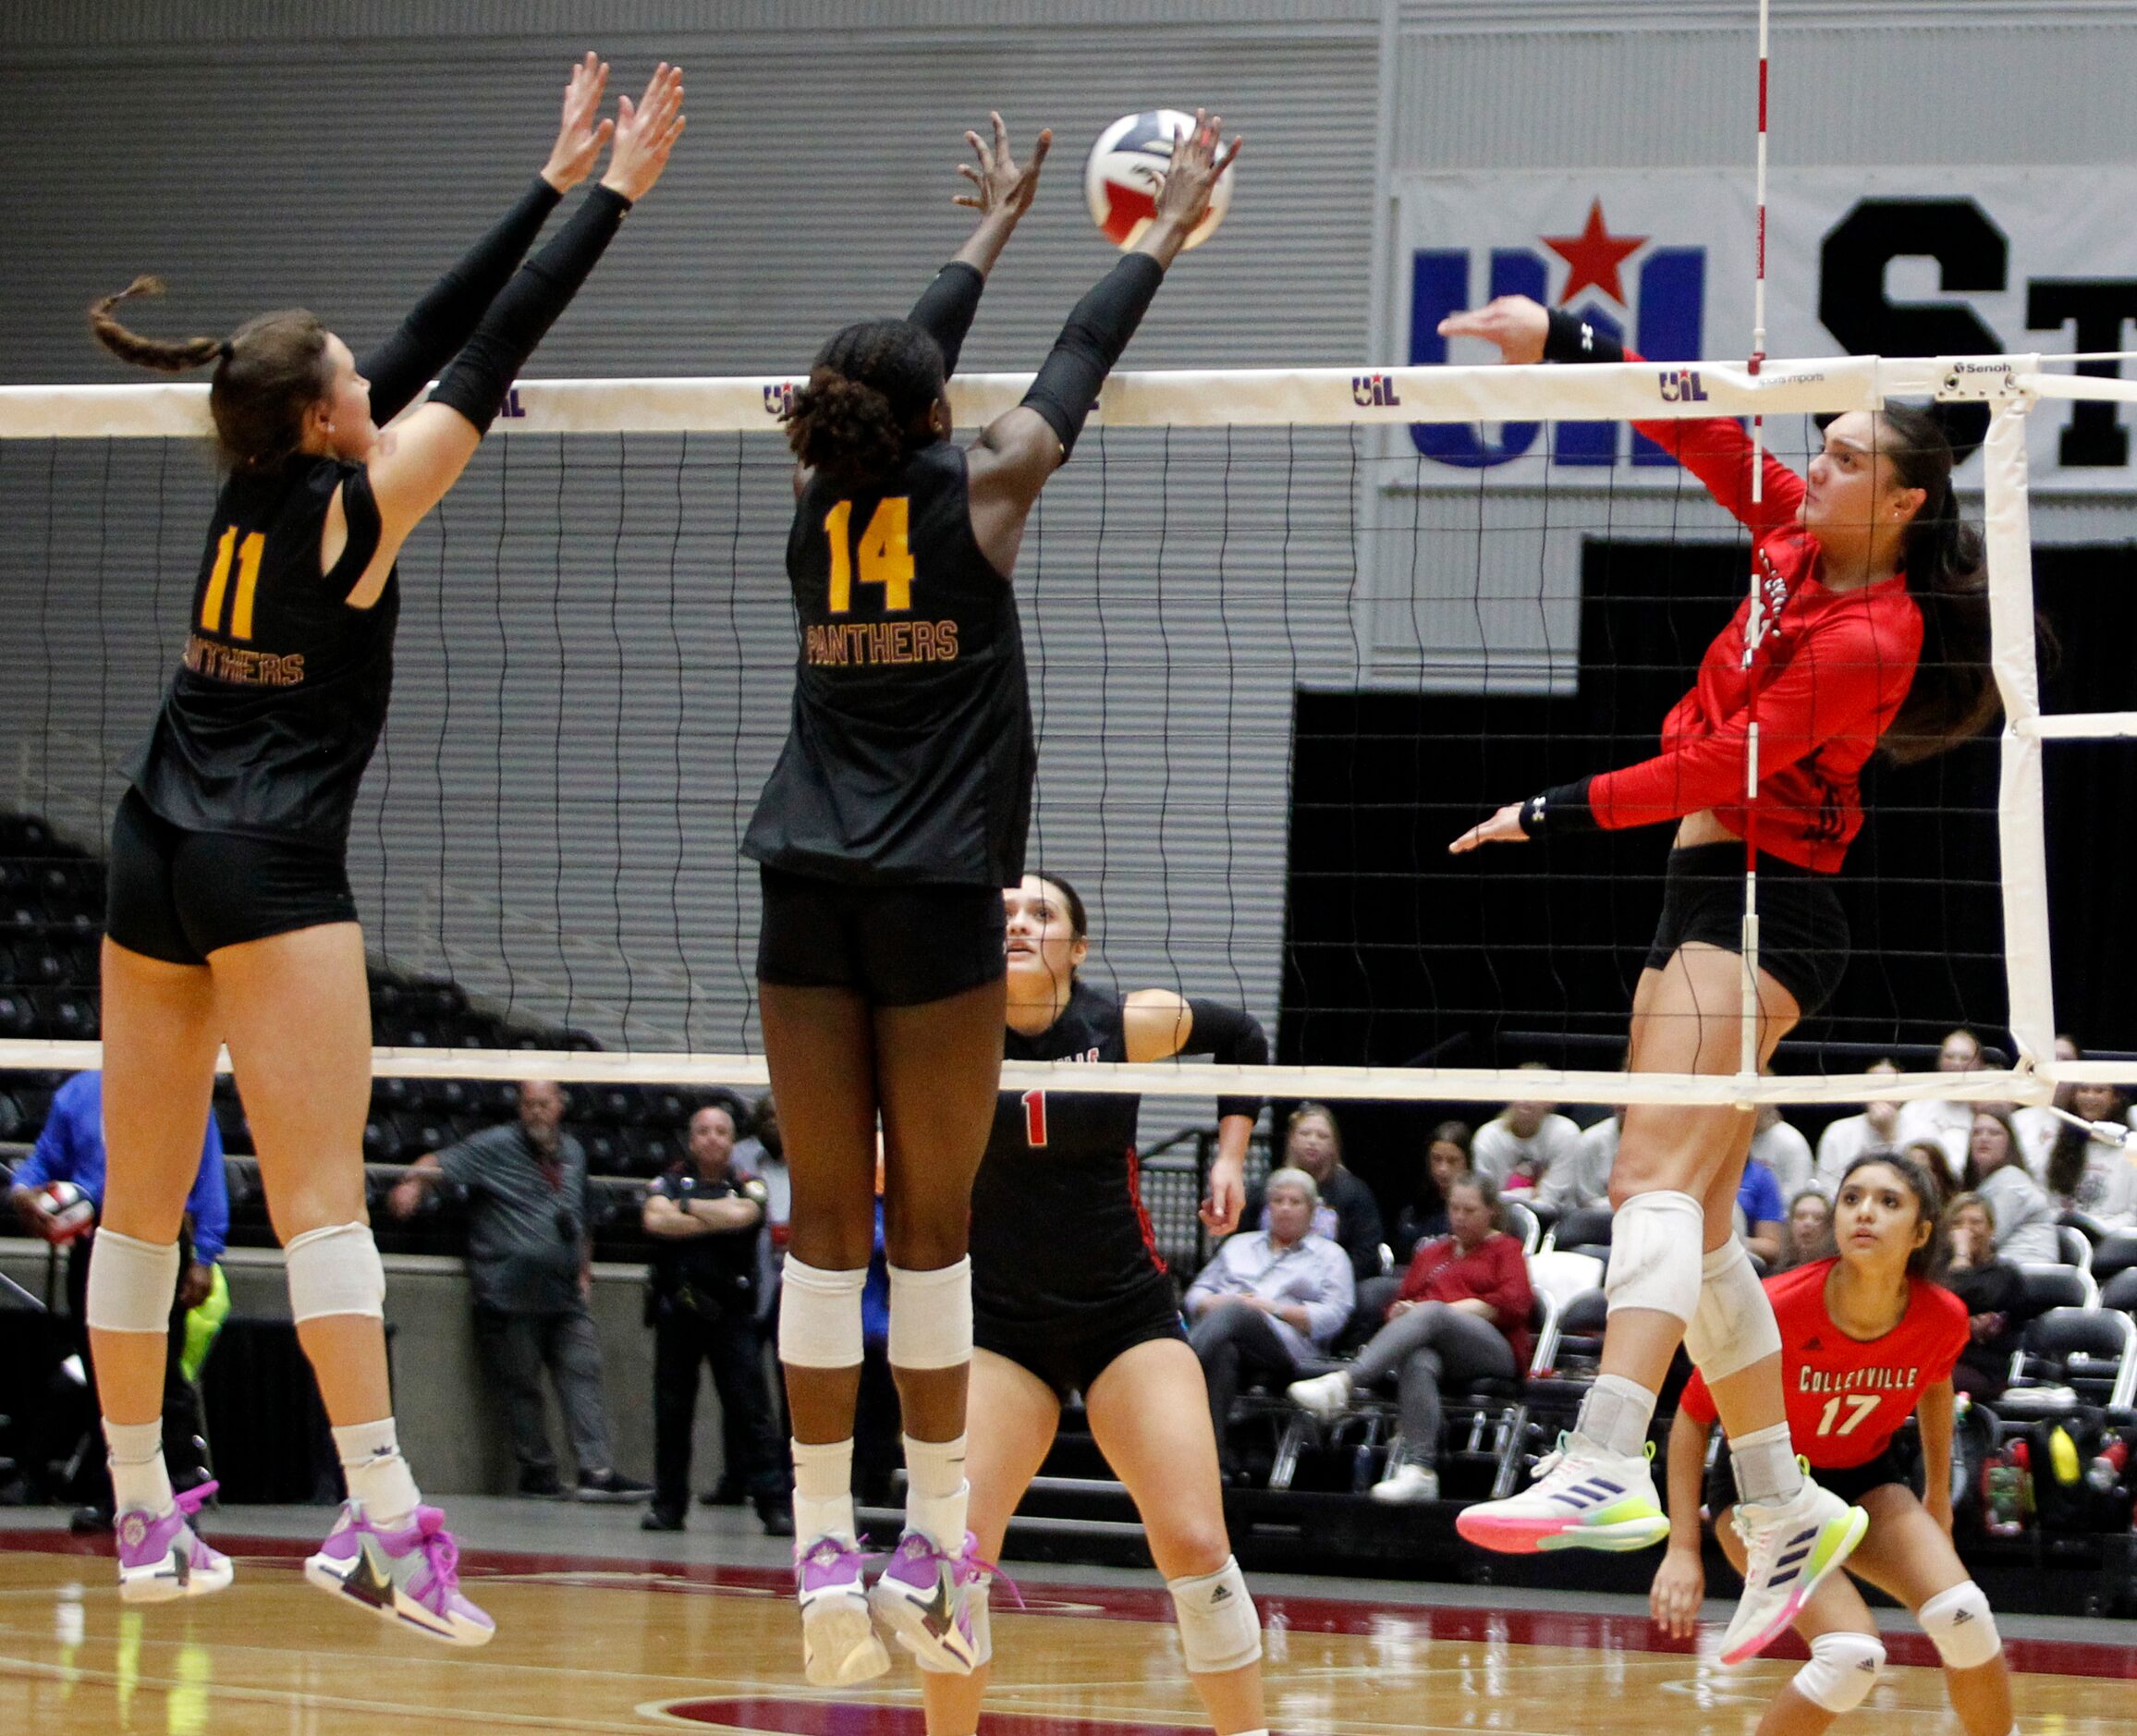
911	757
282	687
1059	1238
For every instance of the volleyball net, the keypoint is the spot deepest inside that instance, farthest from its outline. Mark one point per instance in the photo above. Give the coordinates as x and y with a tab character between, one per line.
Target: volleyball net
1290	630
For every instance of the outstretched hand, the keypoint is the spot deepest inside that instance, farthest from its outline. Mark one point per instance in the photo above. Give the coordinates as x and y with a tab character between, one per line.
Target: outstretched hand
1503	828
999	187
1183	198
645	132
579	140
1516	324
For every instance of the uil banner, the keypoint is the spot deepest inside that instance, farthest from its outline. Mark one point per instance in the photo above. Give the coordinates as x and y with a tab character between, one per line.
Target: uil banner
1893	262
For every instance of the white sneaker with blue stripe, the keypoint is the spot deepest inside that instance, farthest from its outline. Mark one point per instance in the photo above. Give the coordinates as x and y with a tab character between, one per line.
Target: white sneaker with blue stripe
1584	1497
1789	1549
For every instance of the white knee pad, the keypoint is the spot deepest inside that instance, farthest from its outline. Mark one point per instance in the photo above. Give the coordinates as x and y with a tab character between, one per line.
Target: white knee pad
1655	1241
1733	1327
1843	1670
1962	1626
1219	1628
931	1316
336	1271
820	1315
131	1284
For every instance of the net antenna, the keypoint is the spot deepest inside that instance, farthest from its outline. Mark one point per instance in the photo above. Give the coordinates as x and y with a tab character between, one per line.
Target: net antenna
1755	621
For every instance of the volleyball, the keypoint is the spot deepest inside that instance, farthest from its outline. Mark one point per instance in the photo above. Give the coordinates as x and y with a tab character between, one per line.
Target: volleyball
1127	167
67	1211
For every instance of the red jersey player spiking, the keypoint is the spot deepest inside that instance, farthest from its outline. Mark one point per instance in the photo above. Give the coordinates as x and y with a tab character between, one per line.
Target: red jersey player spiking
1867	1341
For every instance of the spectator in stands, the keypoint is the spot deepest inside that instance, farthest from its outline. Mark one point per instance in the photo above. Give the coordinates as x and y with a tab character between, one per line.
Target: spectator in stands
530	1266
705	1222
1876	1128
1269	1300
2038	1126
1779	1145
1518	1147
1949	1124
1996	1169
1446	1159
71	1149
1810	1229
758	1155
2090	1175
1994	1291
1462	1313
1347	1215
1583	1179
1763	1214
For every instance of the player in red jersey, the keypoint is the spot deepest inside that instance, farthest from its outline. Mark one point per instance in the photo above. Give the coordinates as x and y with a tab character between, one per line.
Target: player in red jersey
1867	1342
1869	630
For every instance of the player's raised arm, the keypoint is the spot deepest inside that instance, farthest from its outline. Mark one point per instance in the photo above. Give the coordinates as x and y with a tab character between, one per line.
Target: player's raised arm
1001	193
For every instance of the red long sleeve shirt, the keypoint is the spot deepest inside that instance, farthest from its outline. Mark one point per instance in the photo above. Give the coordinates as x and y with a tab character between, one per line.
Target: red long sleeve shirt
1831	672
1492	1271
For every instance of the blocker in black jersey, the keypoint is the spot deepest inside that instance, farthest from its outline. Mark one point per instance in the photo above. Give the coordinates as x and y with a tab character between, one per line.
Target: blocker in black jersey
1063	1257
911	755
282	689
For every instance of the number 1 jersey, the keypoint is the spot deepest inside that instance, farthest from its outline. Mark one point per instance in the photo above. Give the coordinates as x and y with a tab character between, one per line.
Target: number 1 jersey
910	758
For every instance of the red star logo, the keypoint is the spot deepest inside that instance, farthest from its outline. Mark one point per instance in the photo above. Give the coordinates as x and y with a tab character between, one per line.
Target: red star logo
1595	254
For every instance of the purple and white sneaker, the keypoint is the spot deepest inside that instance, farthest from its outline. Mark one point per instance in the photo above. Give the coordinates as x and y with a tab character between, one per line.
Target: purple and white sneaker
926	1598
408	1572
161	1558
838	1642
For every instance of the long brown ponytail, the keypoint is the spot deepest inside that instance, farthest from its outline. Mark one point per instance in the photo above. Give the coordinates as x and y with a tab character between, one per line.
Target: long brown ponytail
268	373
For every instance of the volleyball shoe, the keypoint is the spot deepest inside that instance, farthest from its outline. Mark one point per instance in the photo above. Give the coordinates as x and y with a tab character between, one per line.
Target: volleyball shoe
925	1598
407	1573
1790	1548
838	1641
160	1558
1584	1497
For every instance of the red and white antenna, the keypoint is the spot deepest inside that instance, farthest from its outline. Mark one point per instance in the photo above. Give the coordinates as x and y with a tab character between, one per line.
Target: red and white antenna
1755	621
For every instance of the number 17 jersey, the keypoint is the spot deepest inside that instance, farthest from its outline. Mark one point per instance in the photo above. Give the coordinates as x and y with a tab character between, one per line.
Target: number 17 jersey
1848	1396
910	757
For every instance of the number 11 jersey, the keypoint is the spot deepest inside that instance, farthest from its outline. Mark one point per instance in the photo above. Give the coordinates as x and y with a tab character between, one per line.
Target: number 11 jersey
910	758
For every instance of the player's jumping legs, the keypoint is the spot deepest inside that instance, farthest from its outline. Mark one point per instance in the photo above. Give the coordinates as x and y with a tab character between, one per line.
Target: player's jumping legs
819	1044
938	1068
160	1039
296	1012
1147	1419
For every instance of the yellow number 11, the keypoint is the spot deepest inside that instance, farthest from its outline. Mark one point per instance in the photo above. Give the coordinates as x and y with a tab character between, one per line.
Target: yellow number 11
886	555
248	554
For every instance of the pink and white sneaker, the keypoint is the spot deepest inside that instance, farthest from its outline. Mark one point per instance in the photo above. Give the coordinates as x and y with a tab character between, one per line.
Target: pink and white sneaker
926	1599
838	1642
161	1558
408	1572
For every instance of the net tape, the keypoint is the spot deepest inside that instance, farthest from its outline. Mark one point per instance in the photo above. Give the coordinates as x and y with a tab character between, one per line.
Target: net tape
1331	397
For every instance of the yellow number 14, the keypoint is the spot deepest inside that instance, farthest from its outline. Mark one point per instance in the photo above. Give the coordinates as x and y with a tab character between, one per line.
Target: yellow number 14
886	555
249	554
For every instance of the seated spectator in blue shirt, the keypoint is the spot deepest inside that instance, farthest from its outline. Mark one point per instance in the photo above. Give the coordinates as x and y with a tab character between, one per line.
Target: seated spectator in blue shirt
71	1149
1270	1299
1763	1211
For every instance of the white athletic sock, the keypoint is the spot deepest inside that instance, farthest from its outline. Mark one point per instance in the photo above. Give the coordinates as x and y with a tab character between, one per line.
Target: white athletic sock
1765	1462
379	1478
135	1452
823	1491
935	1492
1615	1415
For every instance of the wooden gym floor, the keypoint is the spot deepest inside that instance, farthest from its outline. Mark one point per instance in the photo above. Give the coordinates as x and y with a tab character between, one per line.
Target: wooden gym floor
602	1631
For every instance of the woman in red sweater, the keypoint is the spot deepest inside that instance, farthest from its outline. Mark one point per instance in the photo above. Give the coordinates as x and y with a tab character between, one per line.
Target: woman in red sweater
1462	1313
1869	630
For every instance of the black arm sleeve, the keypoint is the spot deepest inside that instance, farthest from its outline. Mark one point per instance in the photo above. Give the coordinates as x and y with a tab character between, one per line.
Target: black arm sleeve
945	308
442	320
1097	331
1234	1038
1562	808
526	307
1571	338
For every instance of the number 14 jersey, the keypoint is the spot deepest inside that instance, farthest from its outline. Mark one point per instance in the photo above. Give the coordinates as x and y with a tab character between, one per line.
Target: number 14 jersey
1848	1396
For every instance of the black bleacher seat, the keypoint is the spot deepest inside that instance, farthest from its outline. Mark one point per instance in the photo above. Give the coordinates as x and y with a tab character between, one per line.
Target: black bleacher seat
1585	1230
17	1019
2056	1287
2089	1352
2116	1254
68	1014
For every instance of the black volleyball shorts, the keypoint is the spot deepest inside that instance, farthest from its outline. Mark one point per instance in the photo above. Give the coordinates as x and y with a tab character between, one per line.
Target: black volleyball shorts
1802	928
896	946
1069	1361
177	896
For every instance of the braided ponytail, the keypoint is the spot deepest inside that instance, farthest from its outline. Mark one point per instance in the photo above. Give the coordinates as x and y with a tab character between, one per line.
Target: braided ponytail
149	352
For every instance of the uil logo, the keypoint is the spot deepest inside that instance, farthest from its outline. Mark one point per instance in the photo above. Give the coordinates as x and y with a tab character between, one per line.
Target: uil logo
1371	389
779	400
512	405
1681	386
